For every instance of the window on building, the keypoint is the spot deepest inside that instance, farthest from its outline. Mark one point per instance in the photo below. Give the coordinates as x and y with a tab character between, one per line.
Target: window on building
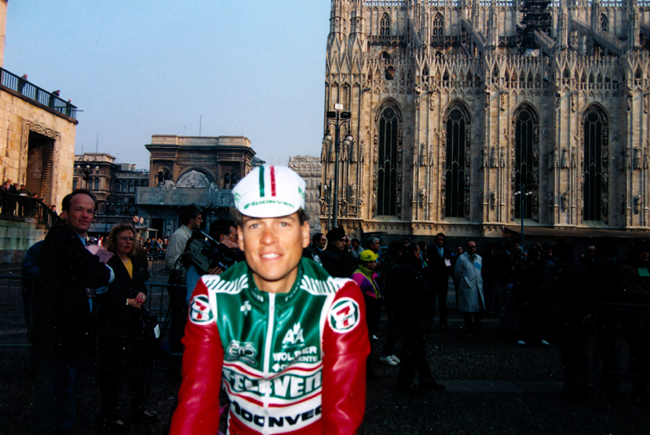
74	184
457	126
230	180
604	23
390	73
387	162
525	123
438	25
384	27
96	183
595	125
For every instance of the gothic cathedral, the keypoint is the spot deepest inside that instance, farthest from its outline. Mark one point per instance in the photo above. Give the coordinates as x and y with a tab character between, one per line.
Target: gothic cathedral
470	116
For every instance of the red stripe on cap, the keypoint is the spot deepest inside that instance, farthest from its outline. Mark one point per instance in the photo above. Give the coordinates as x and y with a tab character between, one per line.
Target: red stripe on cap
272	174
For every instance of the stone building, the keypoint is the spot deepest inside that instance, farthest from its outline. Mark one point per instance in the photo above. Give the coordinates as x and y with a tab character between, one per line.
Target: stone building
310	169
222	160
37	141
468	116
114	185
95	172
38	135
193	170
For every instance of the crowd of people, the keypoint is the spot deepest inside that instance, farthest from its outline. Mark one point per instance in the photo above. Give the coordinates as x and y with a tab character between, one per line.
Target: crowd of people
548	294
262	302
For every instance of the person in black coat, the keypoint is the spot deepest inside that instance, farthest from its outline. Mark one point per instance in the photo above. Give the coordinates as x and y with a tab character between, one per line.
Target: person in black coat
438	273
529	294
575	306
62	334
124	344
337	260
411	310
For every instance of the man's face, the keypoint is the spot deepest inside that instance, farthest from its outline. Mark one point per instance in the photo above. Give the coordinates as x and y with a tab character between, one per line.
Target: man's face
81	213
273	248
339	243
459	250
374	247
322	243
232	236
591	252
471	248
355	245
440	241
195	223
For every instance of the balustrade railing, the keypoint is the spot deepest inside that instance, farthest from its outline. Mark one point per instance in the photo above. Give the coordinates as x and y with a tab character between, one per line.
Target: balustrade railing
23	208
33	92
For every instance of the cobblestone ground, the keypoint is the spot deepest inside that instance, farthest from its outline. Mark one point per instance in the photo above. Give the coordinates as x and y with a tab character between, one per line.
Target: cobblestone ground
467	408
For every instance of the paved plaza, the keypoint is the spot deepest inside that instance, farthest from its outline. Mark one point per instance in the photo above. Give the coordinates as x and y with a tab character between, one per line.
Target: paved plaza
493	386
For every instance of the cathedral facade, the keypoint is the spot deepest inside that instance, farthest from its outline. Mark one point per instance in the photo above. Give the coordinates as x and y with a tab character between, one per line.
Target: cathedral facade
471	117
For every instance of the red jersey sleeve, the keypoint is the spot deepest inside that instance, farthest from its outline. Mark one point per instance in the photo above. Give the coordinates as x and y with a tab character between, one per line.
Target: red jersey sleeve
345	350
197	412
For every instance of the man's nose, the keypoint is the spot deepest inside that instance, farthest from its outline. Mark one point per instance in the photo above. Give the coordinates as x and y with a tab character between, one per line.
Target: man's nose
268	234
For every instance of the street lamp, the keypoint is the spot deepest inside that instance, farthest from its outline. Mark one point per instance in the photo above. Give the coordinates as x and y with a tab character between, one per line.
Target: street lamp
327	192
337	117
522	209
87	170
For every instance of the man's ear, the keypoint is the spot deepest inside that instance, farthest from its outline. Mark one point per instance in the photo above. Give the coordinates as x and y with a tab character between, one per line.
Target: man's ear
240	238
306	238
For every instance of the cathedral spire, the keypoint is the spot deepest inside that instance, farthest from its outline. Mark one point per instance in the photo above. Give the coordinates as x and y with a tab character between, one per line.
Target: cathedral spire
492	30
563	26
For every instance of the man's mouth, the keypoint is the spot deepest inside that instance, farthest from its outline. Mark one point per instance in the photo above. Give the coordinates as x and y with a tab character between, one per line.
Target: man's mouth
270	256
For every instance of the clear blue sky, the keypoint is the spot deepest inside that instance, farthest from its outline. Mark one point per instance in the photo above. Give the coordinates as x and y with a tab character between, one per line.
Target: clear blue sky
141	67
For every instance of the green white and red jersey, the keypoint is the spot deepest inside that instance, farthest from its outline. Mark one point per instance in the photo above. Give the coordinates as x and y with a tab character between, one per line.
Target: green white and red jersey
291	363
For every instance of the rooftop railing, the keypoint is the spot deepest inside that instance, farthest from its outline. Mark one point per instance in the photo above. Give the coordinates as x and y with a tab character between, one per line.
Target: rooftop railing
33	92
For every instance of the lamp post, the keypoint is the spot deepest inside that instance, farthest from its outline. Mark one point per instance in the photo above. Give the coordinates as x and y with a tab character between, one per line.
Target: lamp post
327	192
337	117
87	170
522	209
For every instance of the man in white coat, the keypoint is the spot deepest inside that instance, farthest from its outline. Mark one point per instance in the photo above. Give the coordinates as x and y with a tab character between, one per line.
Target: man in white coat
470	290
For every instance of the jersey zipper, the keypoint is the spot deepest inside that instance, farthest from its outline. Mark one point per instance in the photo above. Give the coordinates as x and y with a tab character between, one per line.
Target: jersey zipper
267	359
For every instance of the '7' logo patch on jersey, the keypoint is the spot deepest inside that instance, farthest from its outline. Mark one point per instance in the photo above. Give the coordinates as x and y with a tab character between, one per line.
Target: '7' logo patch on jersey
200	312
344	315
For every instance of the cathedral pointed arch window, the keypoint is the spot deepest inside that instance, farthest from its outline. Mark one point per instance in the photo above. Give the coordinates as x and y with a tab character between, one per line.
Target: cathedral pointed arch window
388	136
384	26
604	23
594	130
457	126
438	27
526	126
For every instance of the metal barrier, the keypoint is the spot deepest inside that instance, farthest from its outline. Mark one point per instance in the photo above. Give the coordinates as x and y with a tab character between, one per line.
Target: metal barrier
158	304
14	330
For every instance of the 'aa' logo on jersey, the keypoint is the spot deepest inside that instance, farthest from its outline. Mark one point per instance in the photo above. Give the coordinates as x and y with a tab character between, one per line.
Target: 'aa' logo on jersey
344	315
293	335
200	312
